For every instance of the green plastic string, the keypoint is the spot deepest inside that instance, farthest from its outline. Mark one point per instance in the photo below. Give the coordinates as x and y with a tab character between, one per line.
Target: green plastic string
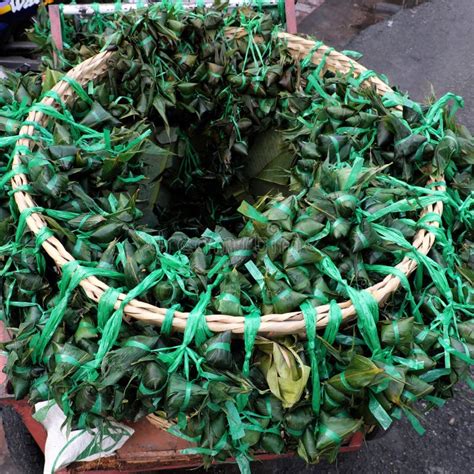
73	274
309	314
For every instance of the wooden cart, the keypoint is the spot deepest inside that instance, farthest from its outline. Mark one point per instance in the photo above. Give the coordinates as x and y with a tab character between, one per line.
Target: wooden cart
149	449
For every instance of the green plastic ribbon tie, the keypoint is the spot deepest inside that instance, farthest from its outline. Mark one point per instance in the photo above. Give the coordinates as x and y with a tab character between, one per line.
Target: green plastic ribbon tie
379	413
236	427
224	346
334	322
324	430
346	383
167	325
396	332
251	326
309	314
73	274
78	89
386	270
414	421
367	310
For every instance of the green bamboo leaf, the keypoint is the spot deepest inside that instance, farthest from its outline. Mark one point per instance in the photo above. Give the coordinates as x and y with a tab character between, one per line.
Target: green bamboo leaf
272	443
271	407
155	375
217	351
307	446
332	432
360	373
284	370
269	159
106	233
466	330
398	333
182	396
97	115
298	419
51	78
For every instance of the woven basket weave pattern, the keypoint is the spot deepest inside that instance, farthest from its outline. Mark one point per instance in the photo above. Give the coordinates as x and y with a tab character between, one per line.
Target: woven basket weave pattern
271	324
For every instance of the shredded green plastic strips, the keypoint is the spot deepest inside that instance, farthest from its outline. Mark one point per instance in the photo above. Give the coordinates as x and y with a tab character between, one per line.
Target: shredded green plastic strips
73	274
215	174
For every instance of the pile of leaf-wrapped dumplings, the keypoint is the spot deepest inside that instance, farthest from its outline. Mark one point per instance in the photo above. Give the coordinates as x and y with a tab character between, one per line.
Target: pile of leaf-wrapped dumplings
213	173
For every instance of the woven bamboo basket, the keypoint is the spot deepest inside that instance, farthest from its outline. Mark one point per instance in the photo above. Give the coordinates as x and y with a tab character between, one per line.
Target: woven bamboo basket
271	324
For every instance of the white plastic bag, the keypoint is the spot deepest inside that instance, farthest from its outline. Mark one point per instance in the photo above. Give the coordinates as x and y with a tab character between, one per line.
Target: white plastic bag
63	448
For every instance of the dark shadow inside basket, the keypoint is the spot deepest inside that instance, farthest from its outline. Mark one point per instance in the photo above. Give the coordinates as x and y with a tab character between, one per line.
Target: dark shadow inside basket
224	174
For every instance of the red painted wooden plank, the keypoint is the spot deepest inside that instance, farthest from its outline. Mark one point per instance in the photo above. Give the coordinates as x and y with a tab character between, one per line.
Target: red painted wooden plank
290	15
56	31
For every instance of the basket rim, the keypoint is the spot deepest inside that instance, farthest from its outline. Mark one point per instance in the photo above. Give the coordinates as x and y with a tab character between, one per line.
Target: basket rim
270	324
